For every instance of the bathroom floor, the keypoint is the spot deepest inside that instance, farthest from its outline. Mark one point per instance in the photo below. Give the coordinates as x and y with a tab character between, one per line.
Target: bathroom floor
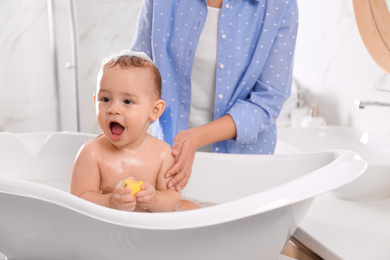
290	252
281	257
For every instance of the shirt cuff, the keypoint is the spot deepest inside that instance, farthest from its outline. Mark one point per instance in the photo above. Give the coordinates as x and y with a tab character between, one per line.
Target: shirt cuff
246	118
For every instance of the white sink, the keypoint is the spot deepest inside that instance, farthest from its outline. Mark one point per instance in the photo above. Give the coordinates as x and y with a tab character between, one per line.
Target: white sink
374	183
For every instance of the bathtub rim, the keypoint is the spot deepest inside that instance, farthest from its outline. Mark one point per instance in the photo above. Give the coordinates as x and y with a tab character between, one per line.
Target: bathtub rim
331	131
302	188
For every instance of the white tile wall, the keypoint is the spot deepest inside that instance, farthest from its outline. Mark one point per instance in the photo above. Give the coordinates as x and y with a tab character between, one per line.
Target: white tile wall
334	67
27	92
331	62
27	100
110	29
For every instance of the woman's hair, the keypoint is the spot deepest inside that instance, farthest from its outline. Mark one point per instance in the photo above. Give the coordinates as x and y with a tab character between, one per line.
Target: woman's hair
131	61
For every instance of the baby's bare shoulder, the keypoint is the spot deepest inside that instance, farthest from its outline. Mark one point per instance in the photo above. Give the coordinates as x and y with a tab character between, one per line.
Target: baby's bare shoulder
160	144
93	144
161	147
93	147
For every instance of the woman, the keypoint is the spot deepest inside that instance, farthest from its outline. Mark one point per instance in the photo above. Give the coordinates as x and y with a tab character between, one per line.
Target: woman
227	70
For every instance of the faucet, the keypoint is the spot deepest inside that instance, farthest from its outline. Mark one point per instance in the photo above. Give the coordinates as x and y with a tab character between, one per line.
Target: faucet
362	104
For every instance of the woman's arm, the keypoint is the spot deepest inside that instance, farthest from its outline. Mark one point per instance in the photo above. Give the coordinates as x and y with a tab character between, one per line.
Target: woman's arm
252	112
188	141
257	110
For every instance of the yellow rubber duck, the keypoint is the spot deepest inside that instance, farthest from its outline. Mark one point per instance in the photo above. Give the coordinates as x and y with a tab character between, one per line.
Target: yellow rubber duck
134	186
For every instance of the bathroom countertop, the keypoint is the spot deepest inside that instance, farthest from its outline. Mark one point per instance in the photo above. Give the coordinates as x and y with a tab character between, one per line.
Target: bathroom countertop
340	229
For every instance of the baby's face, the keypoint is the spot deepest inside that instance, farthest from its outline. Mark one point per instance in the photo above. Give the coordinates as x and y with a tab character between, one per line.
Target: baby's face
124	104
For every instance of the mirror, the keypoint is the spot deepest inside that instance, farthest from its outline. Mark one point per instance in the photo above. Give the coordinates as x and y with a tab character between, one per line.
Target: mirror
373	20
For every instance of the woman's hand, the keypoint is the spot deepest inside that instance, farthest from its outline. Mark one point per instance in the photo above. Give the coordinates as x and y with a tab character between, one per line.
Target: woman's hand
183	149
122	199
188	141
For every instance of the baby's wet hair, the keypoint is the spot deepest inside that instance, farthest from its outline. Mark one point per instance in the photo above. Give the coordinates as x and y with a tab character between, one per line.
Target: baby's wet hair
132	61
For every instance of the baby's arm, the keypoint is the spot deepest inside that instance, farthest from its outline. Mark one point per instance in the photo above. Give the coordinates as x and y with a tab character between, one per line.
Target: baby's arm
86	182
159	199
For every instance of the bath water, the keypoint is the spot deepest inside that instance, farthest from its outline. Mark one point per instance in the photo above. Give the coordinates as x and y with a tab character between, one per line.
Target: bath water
202	204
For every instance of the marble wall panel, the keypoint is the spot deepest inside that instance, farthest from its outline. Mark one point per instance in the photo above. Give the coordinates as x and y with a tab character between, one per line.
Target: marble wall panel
27	77
334	68
103	27
28	101
332	64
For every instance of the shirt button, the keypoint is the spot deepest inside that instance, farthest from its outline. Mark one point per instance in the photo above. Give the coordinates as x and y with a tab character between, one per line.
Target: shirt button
227	5
223	36
221	66
220	96
216	149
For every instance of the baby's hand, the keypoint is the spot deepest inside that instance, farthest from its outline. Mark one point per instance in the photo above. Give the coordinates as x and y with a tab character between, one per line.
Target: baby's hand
146	197
122	199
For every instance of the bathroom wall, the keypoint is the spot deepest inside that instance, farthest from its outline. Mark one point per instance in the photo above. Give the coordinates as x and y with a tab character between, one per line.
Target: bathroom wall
27	97
334	68
332	65
27	69
103	27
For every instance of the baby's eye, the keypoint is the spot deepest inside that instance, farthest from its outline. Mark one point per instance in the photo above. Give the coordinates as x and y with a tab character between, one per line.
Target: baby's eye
105	99
127	102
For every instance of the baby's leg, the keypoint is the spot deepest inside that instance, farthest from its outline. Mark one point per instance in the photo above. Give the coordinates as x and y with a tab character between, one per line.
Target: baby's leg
188	205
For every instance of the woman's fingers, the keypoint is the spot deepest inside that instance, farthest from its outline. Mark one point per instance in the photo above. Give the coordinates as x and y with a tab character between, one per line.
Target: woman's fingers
184	151
176	148
180	180
179	143
177	152
175	167
187	170
183	182
176	179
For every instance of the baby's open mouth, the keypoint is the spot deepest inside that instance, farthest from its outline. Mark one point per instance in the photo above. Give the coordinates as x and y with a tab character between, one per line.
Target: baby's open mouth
116	129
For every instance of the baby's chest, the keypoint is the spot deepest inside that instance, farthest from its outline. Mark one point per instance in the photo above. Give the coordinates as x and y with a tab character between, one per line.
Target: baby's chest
114	171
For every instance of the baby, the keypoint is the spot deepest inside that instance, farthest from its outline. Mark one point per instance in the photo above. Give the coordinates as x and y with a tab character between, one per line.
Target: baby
127	101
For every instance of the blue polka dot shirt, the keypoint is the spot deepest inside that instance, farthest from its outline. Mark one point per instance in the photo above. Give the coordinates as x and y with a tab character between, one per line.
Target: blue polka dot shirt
256	41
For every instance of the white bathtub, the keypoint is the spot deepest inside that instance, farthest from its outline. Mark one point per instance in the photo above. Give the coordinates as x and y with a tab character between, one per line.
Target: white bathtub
261	201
